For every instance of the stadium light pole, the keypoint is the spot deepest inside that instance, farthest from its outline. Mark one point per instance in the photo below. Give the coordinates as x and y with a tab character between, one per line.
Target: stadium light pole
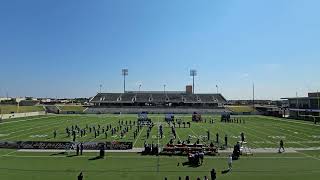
124	74
253	95
164	88
298	108
217	89
193	73
318	99
139	87
318	102
100	87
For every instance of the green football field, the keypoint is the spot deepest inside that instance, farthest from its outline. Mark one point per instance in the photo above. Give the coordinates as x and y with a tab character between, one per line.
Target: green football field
126	166
260	132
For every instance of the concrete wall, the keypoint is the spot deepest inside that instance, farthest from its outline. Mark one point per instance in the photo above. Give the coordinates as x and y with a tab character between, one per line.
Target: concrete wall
19	115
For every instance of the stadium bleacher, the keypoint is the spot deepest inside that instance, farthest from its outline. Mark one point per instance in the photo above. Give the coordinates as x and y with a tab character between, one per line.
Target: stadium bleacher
191	98
107	97
143	97
174	98
157	99
161	97
127	97
206	98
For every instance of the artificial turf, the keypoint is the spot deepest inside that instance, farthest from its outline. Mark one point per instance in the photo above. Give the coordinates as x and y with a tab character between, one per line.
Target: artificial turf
260	132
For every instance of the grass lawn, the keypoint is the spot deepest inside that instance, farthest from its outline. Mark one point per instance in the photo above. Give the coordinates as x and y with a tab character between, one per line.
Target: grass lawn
7	109
132	166
72	108
240	109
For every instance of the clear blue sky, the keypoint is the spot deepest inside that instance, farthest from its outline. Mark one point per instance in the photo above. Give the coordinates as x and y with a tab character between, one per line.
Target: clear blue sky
66	48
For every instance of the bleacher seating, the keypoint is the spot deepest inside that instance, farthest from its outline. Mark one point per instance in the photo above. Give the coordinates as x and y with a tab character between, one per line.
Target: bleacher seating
127	97
143	97
159	97
175	98
107	97
206	98
191	98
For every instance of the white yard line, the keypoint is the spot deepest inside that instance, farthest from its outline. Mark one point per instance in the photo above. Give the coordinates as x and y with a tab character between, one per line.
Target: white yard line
32	132
307	155
50	124
138	136
158	133
25	120
163	157
8	153
285	134
290	121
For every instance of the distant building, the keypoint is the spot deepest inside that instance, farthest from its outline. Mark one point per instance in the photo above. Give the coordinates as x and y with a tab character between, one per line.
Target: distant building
307	108
189	89
5	99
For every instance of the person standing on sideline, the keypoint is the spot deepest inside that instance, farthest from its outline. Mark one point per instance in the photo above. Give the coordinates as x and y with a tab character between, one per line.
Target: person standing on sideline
54	134
80	176
78	149
281	146
213	174
226	141
217	138
81	149
230	162
242	137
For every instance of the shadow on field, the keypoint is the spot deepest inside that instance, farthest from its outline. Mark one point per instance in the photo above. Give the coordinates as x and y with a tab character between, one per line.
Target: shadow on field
57	154
95	158
70	156
190	164
225	171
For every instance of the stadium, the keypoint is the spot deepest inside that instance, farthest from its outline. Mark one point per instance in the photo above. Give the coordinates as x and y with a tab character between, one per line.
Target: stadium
155	134
162	90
